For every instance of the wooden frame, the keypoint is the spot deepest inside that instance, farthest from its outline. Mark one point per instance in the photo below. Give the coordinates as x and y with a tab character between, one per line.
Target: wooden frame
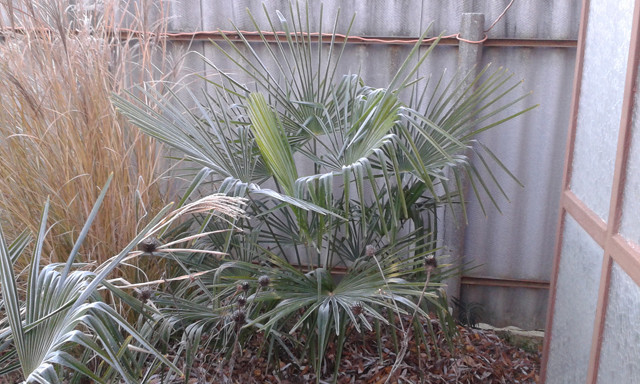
616	247
575	101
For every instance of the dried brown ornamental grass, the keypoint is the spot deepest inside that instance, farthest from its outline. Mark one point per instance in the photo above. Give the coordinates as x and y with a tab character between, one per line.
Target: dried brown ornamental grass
59	134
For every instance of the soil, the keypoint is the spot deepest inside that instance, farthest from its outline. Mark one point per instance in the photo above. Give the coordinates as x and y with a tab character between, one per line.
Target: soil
475	356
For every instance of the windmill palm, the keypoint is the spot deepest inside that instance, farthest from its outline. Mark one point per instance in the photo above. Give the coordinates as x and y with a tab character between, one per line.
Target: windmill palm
330	164
301	111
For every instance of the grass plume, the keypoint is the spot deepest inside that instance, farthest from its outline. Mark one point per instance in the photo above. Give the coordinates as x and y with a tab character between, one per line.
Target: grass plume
59	134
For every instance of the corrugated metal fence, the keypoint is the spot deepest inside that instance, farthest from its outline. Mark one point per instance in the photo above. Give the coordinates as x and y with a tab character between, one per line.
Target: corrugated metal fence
536	41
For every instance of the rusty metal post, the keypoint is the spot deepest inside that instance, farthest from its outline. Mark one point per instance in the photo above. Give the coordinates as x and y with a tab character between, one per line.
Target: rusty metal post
469	62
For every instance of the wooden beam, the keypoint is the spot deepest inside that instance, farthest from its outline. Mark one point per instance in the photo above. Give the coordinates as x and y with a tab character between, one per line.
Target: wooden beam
504	282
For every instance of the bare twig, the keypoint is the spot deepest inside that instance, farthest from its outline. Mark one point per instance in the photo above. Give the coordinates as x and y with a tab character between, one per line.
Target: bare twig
430	265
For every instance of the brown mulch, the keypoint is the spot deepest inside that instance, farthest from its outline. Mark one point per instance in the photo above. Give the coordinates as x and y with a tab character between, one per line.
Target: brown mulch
477	356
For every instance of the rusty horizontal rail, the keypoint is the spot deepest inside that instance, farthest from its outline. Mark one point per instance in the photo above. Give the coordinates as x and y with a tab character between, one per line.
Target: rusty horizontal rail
531	43
449	41
504	282
256	36
468	280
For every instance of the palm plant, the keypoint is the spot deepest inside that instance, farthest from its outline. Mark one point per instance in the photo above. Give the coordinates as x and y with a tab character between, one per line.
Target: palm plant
380	158
63	308
303	311
362	140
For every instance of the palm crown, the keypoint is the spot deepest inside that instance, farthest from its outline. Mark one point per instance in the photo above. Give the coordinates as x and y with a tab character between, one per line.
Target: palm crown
330	166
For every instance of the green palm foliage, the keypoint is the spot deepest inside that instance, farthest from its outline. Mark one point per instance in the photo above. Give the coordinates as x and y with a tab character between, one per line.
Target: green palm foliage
303	311
318	308
330	166
61	309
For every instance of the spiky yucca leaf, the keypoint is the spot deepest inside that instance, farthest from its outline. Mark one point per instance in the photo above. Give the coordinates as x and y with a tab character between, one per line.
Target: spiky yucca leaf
62	306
